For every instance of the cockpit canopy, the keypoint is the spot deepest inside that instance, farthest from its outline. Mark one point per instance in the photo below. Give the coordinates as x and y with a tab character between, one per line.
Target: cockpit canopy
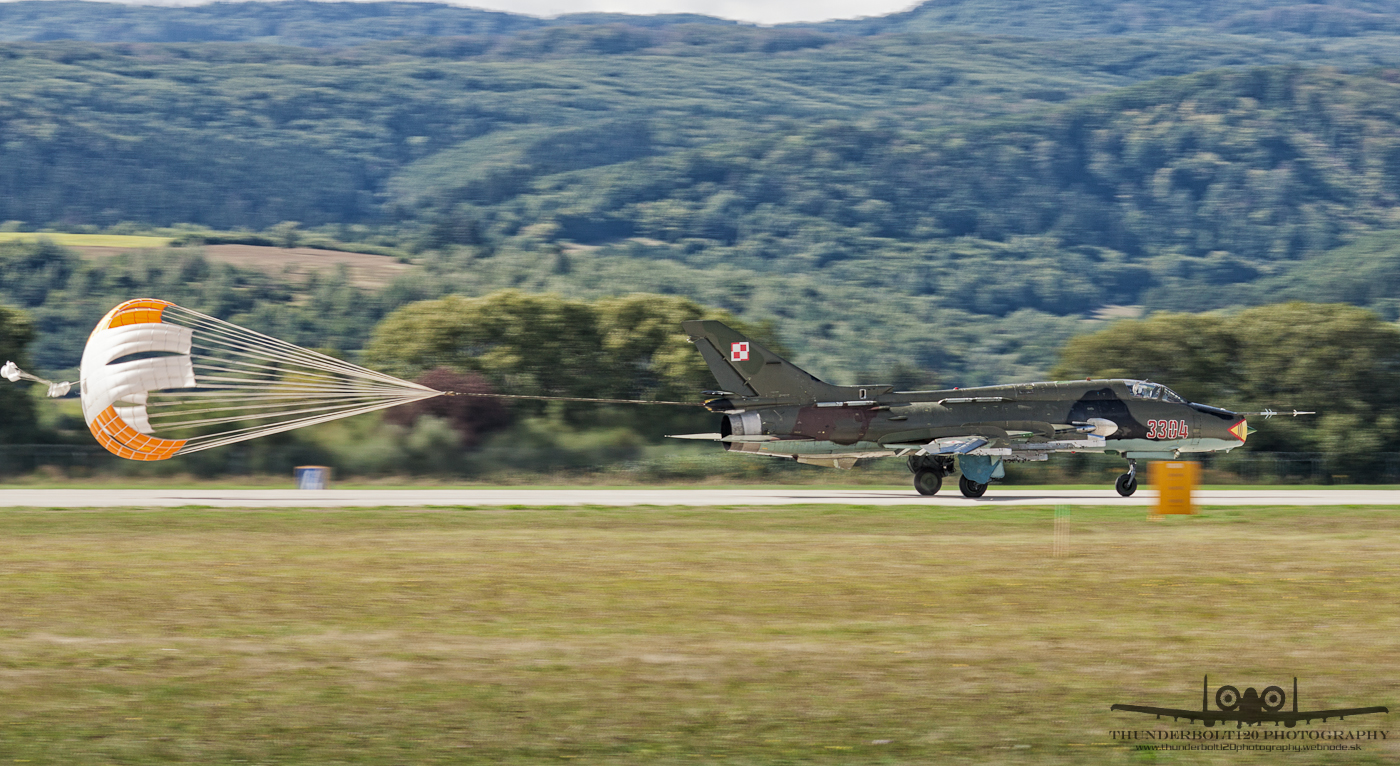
1141	389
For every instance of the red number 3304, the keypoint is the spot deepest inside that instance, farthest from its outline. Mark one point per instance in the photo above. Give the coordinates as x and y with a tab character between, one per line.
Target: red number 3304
1166	429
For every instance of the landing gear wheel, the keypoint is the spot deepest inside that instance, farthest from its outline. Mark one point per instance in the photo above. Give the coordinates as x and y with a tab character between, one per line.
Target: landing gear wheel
928	481
1227	698
1126	485
971	488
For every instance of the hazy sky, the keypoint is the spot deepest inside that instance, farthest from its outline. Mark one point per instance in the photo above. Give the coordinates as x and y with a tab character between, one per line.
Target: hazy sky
760	11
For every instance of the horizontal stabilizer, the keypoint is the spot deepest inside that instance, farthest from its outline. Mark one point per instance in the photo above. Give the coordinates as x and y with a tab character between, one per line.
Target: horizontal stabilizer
740	438
845	463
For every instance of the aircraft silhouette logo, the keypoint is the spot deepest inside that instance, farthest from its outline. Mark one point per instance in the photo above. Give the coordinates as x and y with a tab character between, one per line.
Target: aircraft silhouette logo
1251	708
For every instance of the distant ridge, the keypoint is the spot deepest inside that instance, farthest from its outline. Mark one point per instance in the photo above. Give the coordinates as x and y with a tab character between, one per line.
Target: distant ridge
889	188
1110	18
340	24
288	22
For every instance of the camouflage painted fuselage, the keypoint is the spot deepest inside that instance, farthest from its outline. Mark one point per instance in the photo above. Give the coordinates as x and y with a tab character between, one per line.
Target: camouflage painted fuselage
1018	422
772	407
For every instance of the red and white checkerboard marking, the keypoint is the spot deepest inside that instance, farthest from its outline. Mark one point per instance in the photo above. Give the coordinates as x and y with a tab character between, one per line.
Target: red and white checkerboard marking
739	352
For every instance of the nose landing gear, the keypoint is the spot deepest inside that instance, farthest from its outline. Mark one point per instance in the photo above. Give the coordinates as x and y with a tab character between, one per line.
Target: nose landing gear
1127	483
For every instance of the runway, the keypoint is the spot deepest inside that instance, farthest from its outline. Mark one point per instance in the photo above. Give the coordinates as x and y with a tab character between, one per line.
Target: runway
661	496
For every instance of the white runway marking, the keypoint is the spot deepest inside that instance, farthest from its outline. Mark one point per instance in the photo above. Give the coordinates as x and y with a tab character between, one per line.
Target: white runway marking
693	496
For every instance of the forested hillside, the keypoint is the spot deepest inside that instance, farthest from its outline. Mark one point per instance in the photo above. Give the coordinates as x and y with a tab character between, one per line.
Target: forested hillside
252	135
1141	196
300	22
931	195
1103	18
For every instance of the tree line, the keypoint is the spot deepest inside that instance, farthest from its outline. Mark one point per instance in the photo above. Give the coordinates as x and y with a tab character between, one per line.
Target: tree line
301	23
1339	360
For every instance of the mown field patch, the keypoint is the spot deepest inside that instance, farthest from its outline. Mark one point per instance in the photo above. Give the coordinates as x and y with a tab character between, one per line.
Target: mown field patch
85	240
664	635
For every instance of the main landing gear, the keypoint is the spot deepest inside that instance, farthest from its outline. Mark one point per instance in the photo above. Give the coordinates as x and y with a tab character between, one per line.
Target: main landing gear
971	488
929	471
928	481
1127	483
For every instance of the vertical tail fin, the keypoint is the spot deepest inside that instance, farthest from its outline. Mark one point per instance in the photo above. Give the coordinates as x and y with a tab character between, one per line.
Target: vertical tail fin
745	367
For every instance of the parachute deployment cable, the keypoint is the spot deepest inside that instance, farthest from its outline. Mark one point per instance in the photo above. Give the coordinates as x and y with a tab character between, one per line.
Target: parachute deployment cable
569	399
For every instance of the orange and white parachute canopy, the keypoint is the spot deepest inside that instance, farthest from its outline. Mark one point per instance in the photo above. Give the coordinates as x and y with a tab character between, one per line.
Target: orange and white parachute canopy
159	380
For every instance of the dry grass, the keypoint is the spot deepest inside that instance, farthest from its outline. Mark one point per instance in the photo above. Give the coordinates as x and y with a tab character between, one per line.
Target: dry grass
121	241
363	269
794	635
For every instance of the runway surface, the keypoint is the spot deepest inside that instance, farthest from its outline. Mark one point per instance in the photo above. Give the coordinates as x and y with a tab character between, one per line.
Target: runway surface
690	496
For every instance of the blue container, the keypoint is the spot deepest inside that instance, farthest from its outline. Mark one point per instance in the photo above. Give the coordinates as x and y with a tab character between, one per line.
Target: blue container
312	476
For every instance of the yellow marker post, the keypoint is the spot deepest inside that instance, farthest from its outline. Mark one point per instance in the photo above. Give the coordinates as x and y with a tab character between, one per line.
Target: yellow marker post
1175	481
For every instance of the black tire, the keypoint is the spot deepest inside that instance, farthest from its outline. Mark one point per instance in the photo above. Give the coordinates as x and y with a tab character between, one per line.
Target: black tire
1126	485
1273	699
1227	698
928	481
971	488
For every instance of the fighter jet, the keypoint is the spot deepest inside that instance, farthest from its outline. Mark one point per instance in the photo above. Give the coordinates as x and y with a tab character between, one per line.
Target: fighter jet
773	408
1250	708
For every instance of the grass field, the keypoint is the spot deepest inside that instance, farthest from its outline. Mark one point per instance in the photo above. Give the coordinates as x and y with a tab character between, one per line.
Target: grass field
830	480
85	240
842	635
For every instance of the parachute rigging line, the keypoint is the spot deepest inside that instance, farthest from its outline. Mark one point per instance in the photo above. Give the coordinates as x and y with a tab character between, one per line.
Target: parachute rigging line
159	380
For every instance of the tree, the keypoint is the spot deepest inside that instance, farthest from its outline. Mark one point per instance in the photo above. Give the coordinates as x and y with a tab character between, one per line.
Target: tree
648	353
1341	361
523	344
472	417
18	423
630	347
1195	354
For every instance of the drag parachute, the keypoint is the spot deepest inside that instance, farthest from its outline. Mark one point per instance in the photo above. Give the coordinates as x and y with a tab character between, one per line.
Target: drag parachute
159	380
